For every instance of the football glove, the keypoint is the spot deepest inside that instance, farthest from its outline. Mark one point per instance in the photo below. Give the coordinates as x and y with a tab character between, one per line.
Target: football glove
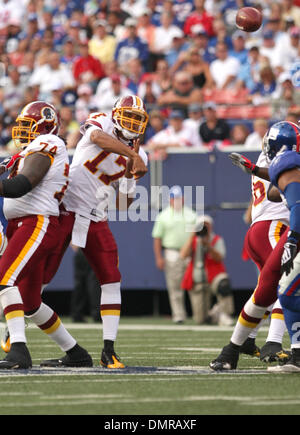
289	253
243	163
9	162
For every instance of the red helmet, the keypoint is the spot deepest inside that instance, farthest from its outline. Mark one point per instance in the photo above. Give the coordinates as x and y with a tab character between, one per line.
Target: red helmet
36	118
130	116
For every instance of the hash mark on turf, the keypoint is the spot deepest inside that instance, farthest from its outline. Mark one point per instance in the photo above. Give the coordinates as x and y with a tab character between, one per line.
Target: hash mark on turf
40	371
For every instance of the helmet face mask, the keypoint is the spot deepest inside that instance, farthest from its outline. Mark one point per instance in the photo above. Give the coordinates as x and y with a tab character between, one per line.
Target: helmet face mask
36	118
130	116
281	134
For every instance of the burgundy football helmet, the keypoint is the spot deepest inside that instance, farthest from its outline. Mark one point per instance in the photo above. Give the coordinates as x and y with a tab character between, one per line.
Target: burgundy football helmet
35	118
129	116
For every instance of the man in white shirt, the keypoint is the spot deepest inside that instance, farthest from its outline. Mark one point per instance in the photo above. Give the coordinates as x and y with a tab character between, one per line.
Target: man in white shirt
225	68
175	135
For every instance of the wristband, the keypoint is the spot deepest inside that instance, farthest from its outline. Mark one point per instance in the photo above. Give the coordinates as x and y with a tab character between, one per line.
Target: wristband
127	186
255	170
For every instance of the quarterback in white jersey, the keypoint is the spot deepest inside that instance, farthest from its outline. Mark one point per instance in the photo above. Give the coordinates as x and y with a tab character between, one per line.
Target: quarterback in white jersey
108	156
32	193
93	170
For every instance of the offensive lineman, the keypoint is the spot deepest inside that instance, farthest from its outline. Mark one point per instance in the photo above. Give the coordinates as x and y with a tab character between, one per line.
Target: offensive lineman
32	195
107	156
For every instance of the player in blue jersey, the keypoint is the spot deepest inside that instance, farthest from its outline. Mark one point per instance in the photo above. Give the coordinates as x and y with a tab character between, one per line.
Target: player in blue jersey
285	175
281	259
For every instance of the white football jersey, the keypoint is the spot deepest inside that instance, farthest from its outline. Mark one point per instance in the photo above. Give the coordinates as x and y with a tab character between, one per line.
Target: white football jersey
44	199
94	173
262	208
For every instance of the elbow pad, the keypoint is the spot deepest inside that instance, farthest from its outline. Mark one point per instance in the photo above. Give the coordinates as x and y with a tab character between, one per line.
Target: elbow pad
16	187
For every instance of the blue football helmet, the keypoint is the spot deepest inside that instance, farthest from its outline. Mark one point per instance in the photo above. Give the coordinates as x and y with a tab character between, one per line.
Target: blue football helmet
281	134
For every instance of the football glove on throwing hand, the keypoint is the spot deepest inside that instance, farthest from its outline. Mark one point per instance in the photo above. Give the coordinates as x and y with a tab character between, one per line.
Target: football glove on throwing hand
287	259
243	163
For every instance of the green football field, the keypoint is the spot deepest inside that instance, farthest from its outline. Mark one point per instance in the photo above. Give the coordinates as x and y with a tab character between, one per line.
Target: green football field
167	374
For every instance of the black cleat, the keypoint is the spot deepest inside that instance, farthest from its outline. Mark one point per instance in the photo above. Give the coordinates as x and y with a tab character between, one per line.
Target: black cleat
272	352
76	357
249	348
110	360
291	365
227	360
18	357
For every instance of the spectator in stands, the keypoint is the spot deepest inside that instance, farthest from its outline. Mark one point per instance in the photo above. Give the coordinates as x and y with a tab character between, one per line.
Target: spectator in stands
199	16
13	89
85	103
170	232
43	77
102	45
206	275
132	47
286	95
248	75
115	26
194	120
86	68
164	34
149	91
133	7
239	50
175	135
200	40
213	129
179	45
290	10
266	86
268	48
238	134
287	50
162	76
182	94
156	124
134	72
107	101
145	29
254	139
221	35
195	117
192	62
69	128
225	68
116	7
69	53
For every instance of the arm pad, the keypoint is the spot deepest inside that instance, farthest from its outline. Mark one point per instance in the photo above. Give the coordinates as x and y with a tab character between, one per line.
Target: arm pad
16	187
292	196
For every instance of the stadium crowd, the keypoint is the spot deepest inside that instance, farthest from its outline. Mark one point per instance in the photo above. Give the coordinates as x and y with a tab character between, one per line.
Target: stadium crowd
204	82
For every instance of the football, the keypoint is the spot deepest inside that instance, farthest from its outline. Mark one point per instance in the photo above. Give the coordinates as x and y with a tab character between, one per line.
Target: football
248	19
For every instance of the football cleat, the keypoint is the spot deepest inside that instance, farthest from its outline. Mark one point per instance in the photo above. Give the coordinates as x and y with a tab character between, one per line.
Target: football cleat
227	360
272	352
110	360
292	365
17	358
5	341
249	348
80	358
